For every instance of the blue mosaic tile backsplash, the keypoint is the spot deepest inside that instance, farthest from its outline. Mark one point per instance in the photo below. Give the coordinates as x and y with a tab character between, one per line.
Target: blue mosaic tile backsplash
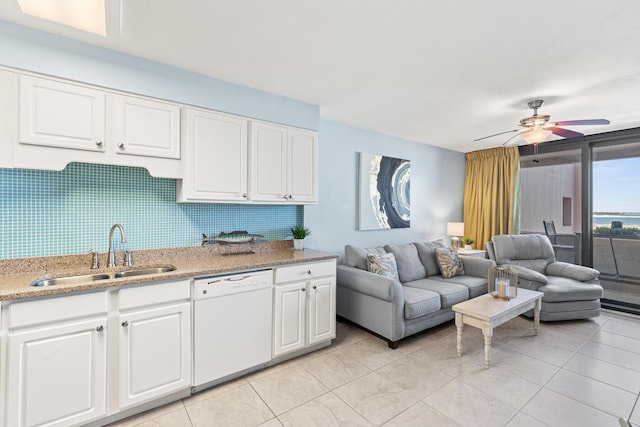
45	213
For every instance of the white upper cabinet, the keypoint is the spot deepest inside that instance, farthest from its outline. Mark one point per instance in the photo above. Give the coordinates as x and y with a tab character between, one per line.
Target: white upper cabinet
268	162
215	163
283	164
144	127
58	114
302	178
61	122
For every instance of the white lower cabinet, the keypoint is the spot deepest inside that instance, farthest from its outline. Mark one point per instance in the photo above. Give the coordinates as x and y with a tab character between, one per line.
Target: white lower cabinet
154	330
57	361
154	353
75	359
304	306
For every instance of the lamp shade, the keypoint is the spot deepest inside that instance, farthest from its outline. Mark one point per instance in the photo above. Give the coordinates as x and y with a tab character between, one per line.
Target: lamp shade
535	136
455	229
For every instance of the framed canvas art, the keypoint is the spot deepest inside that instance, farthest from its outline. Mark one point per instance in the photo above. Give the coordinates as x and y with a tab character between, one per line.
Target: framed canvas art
384	192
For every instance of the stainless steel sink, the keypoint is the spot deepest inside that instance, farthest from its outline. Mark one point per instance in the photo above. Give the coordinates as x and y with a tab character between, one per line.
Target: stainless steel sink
144	271
69	280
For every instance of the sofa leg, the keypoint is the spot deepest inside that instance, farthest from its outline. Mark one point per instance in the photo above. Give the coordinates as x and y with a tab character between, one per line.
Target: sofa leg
392	344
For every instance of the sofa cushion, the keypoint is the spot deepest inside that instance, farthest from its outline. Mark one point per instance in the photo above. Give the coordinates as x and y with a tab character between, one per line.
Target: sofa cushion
409	265
476	285
450	293
560	289
427	254
384	265
355	256
418	302
449	262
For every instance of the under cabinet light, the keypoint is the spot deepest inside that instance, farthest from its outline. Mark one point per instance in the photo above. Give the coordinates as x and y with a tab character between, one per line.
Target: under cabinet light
85	15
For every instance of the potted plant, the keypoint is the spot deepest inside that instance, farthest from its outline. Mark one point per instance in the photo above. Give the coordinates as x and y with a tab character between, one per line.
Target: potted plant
299	232
467	241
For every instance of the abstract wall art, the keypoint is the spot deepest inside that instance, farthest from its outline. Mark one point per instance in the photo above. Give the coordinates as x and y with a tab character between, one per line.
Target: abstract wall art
384	192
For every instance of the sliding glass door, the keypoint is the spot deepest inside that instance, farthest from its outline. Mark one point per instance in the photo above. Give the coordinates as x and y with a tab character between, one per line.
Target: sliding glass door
551	195
588	191
616	222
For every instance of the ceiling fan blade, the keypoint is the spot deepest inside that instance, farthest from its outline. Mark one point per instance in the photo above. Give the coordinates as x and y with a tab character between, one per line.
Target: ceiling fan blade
565	133
583	122
496	134
510	139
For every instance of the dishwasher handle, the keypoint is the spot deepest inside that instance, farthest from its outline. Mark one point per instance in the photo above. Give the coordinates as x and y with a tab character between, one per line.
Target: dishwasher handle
230	279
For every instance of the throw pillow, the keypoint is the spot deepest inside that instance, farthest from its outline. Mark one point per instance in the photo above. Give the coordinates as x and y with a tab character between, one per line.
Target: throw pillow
357	257
449	262
384	265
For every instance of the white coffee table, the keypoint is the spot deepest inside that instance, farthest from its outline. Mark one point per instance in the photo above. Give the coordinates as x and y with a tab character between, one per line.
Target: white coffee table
486	312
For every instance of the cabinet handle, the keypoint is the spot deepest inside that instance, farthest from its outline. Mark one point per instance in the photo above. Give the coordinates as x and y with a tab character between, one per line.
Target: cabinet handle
303	289
100	328
315	287
99	143
244	195
308	271
125	323
285	197
121	146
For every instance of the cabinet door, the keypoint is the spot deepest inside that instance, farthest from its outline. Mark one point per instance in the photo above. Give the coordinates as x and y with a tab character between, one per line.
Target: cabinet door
154	353
302	180
216	158
57	375
145	127
288	322
59	114
322	310
268	162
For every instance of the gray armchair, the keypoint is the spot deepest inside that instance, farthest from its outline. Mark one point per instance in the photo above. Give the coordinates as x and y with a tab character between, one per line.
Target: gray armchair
570	291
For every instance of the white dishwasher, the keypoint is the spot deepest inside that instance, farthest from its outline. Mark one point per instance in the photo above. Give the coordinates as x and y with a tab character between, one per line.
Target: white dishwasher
232	325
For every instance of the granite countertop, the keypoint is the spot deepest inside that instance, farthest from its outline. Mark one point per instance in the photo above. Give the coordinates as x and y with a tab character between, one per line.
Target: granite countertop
189	262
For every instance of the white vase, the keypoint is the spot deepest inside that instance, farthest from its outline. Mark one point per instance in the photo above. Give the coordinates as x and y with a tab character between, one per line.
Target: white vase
298	244
468	247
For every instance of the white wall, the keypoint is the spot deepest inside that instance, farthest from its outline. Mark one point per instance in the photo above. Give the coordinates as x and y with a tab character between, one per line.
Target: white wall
32	50
437	184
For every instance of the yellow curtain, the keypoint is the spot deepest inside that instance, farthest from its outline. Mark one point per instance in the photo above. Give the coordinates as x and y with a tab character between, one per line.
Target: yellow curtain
490	193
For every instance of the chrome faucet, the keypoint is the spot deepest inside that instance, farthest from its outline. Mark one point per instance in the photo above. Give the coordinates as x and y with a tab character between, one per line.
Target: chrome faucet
111	256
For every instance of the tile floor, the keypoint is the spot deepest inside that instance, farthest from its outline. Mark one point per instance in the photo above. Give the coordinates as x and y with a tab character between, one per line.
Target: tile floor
577	373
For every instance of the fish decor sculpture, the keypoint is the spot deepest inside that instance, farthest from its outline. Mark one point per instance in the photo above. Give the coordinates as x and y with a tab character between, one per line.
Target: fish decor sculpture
231	237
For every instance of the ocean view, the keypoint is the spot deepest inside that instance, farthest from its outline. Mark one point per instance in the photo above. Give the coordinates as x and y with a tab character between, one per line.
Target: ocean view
631	220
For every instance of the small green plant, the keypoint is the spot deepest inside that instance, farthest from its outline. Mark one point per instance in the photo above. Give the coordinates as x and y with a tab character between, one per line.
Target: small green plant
300	231
467	240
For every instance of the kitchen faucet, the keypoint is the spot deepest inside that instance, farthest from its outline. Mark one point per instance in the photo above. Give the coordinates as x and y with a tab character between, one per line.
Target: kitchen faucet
111	256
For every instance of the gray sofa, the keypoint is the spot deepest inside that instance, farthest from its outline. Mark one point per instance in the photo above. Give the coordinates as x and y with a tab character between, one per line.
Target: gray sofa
420	299
570	291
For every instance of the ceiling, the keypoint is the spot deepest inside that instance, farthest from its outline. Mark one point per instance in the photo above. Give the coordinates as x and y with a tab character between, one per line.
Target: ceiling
439	72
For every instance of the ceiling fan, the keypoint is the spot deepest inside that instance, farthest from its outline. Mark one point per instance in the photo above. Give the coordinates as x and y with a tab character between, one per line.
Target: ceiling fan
538	127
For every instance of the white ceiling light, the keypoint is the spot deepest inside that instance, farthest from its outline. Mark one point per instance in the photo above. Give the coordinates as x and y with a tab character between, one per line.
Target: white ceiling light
85	15
535	136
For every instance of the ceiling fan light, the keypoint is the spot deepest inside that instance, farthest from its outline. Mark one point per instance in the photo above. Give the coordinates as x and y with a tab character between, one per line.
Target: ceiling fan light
535	136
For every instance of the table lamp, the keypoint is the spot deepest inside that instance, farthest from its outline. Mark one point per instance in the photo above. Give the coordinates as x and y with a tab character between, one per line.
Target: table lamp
455	229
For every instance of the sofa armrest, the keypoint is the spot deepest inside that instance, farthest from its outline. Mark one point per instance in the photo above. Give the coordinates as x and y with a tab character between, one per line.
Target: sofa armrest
572	271
368	283
531	275
477	267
